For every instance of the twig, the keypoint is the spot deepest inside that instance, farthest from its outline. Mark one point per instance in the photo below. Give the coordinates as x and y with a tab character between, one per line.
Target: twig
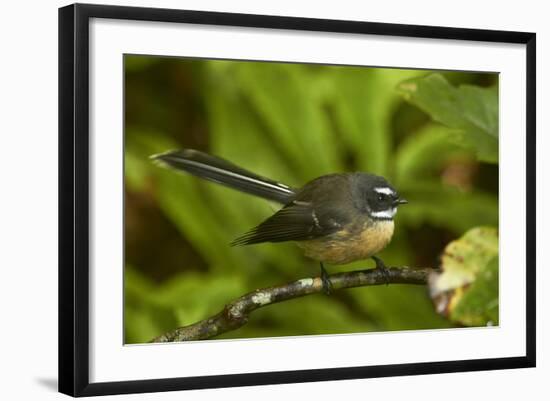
236	313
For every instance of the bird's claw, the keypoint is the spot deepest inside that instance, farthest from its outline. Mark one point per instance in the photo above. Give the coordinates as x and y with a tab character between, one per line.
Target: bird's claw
327	285
380	265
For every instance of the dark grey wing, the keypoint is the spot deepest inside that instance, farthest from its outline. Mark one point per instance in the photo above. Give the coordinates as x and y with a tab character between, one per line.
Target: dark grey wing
296	221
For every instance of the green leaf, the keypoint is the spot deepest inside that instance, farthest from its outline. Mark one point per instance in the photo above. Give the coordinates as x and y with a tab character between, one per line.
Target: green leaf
143	318
424	154
136	63
136	172
186	298
364	101
446	207
467	289
140	326
398	307
471	111
287	98
479	303
183	291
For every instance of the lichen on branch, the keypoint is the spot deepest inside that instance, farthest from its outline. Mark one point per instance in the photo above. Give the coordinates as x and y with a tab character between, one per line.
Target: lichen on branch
236	313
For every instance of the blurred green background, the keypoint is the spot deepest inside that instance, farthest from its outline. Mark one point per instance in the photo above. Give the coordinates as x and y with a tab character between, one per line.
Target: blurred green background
290	122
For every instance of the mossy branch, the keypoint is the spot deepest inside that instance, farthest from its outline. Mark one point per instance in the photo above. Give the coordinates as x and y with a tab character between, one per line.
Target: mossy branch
236	313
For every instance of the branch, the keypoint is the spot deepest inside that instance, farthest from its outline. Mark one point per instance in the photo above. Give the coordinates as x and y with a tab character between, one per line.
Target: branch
236	313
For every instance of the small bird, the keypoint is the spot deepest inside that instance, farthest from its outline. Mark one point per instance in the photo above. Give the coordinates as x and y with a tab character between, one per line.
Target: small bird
336	218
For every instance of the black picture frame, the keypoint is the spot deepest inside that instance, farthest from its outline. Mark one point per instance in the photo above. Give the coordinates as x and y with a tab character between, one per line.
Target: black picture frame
74	198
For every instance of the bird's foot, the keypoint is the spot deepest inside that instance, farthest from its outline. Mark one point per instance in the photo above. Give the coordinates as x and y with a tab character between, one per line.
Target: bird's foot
327	285
380	265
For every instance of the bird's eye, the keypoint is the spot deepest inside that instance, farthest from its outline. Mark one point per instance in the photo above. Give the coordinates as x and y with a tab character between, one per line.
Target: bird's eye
381	197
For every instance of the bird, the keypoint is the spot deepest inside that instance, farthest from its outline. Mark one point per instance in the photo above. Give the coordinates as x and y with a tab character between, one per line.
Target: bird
336	218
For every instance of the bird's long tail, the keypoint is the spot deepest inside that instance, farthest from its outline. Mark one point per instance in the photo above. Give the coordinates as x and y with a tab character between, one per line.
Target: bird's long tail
221	171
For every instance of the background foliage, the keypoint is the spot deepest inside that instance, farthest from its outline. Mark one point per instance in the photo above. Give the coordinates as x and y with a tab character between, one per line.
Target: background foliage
433	137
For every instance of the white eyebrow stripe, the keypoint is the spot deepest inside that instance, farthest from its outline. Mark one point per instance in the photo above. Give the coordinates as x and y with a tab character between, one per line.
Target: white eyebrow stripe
386	214
384	190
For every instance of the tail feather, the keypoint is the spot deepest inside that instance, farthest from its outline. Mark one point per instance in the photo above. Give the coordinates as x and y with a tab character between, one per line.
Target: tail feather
221	171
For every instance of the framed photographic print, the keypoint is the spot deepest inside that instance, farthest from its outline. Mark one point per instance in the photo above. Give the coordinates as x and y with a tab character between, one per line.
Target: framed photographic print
249	199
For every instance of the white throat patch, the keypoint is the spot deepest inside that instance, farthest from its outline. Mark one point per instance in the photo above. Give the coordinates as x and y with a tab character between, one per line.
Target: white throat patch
385	214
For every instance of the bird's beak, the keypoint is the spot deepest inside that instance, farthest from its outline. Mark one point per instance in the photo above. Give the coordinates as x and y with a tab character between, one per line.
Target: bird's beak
402	201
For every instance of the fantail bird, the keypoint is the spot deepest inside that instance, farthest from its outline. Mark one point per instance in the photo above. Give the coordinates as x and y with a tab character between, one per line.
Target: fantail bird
335	218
